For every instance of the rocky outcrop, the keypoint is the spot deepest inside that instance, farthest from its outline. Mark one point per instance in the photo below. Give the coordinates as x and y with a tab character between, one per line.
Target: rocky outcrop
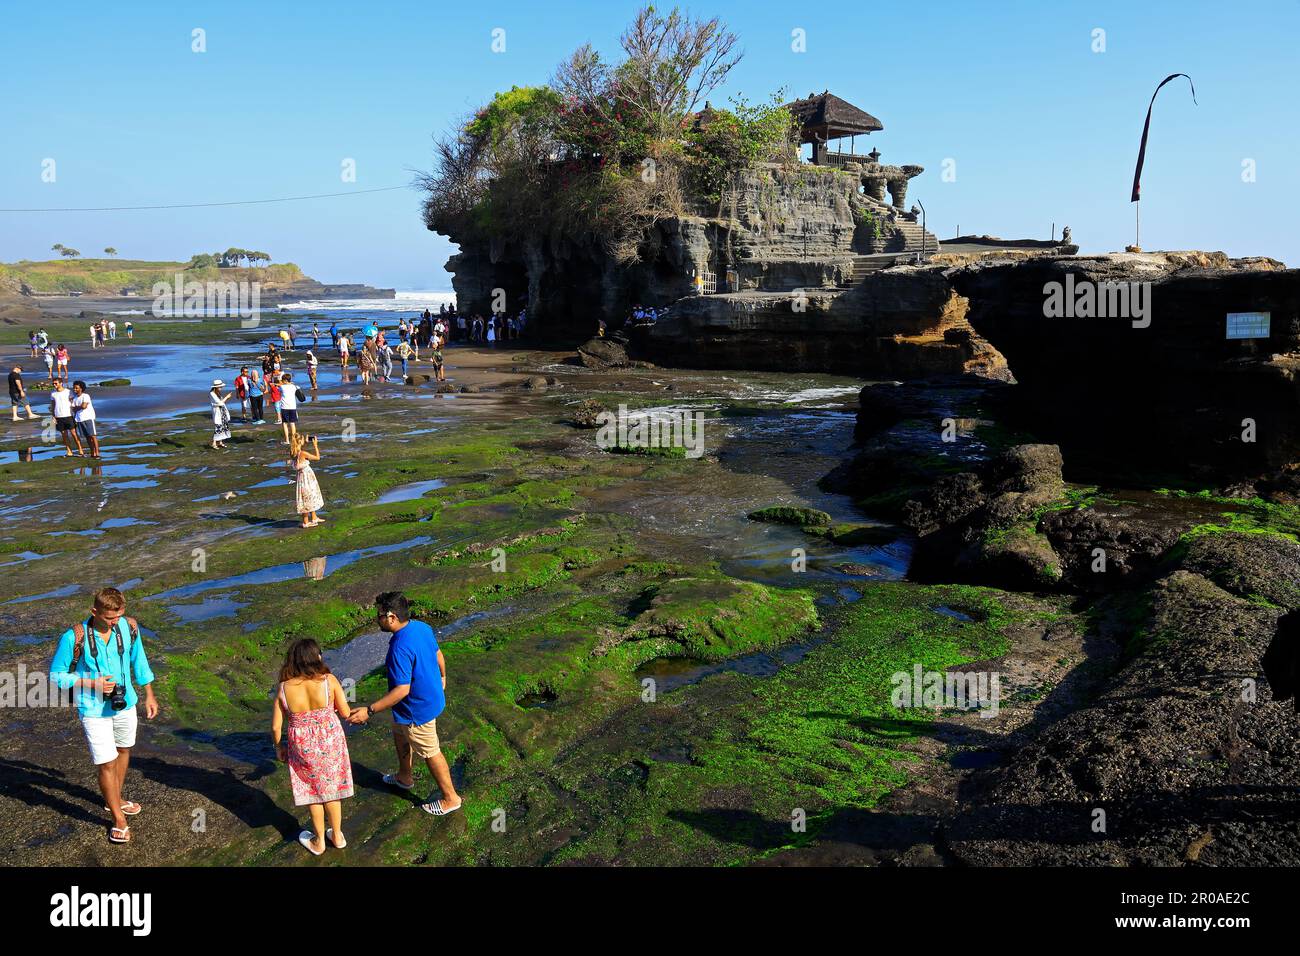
778	229
903	323
981	526
599	353
1124	392
1185	756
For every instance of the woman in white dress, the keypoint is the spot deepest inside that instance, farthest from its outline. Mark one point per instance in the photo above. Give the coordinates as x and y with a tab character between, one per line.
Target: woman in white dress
309	497
220	414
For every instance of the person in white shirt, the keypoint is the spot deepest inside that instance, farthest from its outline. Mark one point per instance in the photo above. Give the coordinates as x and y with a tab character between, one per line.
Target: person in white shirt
112	328
288	407
64	421
312	364
85	416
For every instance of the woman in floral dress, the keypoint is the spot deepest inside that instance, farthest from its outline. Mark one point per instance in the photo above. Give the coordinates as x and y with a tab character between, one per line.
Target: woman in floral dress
311	701
310	499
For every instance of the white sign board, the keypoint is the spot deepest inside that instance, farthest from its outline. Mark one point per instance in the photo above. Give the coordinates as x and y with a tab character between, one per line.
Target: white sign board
1248	325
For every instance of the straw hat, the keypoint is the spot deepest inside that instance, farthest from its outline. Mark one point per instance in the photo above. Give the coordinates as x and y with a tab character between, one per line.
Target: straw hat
217	383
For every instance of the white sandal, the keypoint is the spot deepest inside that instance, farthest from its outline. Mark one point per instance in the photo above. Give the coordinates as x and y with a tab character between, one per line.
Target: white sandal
305	838
435	808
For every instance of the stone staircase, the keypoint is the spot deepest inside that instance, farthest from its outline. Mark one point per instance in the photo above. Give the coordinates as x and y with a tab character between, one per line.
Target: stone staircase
865	265
916	239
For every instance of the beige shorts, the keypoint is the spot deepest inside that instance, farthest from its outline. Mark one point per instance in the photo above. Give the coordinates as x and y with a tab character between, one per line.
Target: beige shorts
423	738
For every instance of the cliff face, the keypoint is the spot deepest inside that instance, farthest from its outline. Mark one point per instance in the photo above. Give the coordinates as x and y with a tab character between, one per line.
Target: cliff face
903	323
780	229
1175	393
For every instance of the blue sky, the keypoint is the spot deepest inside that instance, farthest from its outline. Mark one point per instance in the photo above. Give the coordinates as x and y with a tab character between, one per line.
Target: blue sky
1041	129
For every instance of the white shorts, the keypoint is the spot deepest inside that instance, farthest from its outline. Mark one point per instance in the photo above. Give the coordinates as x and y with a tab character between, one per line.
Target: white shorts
106	734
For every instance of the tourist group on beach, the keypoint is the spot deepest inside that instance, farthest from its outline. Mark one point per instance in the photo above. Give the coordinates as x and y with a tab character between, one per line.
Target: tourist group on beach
102	662
71	407
73	412
375	352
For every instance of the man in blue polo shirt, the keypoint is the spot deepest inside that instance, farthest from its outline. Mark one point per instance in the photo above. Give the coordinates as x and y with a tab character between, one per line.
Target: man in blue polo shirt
417	678
95	658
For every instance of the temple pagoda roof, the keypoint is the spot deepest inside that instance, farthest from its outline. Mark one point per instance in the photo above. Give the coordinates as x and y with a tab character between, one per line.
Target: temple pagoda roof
825	116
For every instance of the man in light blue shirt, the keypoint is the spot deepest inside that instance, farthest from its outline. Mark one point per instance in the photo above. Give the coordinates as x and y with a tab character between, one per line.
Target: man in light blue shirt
101	660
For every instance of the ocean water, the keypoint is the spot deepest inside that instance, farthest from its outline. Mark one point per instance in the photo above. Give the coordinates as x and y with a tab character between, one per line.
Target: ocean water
404	303
410	302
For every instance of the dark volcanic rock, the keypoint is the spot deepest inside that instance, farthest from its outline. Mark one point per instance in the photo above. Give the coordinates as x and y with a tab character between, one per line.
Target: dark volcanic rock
1249	566
1131	549
601	353
1174	747
1118	397
904	323
783	514
976	527
884	405
1282	660
586	414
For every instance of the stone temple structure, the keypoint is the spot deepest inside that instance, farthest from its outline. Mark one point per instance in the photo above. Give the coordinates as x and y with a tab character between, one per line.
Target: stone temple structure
826	117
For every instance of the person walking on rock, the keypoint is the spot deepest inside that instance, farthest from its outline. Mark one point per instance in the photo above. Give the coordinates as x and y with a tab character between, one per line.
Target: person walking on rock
101	660
417	679
310	701
17	393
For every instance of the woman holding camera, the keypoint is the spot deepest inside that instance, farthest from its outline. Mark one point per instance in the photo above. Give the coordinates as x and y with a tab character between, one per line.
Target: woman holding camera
309	497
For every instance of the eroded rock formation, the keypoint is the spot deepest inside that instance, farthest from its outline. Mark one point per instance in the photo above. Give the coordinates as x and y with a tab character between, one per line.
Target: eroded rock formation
1174	394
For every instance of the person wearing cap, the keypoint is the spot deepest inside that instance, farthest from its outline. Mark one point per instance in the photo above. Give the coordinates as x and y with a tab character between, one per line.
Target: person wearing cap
220	414
17	393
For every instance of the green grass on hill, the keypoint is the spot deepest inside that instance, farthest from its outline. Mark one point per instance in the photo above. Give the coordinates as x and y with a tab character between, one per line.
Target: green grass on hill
111	276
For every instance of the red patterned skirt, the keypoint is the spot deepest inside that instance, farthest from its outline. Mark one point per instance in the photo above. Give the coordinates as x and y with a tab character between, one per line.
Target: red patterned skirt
319	766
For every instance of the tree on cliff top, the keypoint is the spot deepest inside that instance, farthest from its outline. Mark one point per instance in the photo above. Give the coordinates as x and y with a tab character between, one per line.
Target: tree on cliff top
603	149
672	63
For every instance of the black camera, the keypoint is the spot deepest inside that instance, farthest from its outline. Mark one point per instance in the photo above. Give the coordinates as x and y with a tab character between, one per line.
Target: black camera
117	699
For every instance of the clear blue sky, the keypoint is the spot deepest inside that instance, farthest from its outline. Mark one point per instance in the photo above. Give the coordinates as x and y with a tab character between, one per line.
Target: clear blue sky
1040	127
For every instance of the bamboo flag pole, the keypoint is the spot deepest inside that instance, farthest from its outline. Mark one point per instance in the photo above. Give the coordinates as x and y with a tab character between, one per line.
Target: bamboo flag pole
1136	198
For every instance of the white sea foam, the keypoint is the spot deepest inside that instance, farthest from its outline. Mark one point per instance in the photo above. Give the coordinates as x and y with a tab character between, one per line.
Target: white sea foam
402	302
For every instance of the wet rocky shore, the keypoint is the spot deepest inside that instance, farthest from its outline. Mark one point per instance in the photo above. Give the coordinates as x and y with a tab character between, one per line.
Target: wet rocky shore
832	537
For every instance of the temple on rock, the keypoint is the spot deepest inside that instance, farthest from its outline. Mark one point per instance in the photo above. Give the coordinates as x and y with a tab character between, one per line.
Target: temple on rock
807	230
825	118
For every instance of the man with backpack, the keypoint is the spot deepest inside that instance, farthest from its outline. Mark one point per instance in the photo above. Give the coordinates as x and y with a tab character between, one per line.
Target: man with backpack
101	660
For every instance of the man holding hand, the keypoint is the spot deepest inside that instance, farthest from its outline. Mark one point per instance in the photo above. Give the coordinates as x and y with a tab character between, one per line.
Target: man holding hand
417	678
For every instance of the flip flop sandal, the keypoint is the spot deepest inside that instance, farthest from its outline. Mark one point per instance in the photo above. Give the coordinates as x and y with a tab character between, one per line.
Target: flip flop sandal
125	835
305	838
434	807
129	808
392	781
329	838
